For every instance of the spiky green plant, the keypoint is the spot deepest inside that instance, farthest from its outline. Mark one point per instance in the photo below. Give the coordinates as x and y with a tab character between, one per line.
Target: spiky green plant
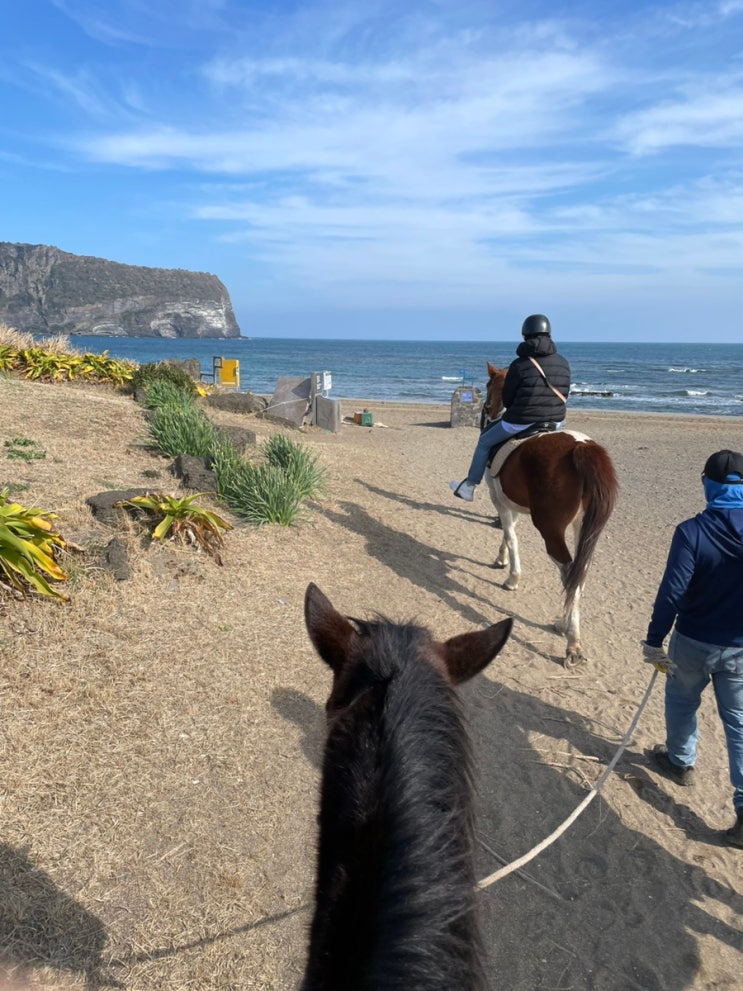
262	493
298	463
183	429
28	546
270	491
163	392
181	519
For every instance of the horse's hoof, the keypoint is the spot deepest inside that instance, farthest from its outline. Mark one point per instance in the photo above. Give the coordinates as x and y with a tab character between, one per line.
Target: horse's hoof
509	587
574	659
498	564
558	626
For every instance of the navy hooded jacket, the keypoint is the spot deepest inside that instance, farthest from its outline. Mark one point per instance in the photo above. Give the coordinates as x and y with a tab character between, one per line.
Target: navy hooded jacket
702	587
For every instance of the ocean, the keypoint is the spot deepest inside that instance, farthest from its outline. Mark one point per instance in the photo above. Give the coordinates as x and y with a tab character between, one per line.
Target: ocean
695	379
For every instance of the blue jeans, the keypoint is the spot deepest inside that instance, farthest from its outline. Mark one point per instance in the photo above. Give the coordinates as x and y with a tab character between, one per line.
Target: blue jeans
492	435
695	664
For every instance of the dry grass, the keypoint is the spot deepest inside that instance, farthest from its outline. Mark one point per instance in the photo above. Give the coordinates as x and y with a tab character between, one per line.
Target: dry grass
140	780
160	737
56	344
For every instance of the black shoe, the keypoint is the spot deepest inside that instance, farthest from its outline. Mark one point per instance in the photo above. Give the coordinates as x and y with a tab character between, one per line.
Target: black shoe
734	835
683	776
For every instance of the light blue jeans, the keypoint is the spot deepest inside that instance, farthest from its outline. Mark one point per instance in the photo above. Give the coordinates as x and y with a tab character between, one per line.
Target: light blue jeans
493	434
695	664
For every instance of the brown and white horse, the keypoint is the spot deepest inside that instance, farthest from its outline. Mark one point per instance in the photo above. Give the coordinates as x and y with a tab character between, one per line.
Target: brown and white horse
561	481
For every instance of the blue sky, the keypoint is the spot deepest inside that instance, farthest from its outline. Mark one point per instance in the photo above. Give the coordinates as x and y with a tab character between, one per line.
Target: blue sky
383	169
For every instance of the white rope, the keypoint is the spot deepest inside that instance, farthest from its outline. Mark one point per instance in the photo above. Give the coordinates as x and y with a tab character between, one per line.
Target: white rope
549	840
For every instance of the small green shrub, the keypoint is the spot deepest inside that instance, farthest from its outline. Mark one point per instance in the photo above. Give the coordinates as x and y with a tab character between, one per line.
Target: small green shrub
152	371
163	392
183	429
298	463
261	494
272	491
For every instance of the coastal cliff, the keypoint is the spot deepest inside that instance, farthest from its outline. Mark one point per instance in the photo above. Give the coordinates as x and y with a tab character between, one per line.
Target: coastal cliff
47	291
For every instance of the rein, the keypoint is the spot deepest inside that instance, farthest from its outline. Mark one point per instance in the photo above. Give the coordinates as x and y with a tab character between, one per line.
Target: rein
515	865
549	840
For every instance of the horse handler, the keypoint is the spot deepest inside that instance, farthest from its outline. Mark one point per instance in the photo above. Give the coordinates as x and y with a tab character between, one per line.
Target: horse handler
702	592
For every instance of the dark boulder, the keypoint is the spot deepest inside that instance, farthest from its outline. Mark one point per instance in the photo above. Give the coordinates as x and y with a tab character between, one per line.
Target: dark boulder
116	560
240	438
103	505
194	473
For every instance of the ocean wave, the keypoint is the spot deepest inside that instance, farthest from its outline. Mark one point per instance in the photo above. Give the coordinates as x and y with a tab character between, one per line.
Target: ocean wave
686	371
697	392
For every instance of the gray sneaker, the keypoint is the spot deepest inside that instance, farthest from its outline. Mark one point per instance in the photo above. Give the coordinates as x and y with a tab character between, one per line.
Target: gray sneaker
463	490
683	776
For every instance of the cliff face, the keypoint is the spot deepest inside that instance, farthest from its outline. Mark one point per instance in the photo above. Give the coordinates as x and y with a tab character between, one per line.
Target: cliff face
47	291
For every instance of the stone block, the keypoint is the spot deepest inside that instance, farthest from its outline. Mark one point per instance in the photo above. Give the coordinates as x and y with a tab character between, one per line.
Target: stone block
466	407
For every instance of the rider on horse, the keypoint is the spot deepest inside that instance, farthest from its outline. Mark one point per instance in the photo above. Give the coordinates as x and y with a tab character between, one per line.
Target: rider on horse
535	392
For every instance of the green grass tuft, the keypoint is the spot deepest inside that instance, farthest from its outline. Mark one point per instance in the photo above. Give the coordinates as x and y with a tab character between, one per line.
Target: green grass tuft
183	429
271	491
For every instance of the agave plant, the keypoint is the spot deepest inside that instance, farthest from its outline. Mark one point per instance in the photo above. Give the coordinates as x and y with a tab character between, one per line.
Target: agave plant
28	544
102	368
183	520
8	358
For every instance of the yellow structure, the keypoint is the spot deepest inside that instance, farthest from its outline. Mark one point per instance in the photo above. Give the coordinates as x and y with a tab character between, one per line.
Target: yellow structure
226	373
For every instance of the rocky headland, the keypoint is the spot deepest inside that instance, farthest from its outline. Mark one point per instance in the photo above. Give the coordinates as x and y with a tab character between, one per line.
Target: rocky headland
44	290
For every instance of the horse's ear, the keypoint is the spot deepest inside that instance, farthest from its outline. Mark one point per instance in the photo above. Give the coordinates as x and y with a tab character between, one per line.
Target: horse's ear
469	653
330	632
491	370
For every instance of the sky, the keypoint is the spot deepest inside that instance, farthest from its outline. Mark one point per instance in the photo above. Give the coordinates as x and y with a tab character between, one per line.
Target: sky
378	169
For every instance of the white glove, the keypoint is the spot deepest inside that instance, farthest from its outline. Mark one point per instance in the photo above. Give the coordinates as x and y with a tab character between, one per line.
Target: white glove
657	657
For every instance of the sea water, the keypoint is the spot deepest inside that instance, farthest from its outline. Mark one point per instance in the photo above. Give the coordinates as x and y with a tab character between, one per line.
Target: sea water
696	379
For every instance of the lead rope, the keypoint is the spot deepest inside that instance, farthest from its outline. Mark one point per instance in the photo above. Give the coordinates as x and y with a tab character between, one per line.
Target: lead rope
549	840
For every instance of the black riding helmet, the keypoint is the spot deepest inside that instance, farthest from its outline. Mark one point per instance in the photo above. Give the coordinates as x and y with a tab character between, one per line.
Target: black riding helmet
536	324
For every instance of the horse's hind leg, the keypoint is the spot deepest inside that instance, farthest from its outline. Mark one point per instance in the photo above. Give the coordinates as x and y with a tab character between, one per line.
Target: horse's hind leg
508	554
569	625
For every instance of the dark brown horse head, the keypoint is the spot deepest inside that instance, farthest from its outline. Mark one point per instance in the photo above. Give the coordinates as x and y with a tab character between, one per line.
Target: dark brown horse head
395	891
339	641
494	391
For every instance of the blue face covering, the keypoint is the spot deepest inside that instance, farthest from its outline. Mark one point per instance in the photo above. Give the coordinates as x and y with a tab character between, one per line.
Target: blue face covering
722	496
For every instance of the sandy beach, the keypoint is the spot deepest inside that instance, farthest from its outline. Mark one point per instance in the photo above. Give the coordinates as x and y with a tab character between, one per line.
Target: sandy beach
161	737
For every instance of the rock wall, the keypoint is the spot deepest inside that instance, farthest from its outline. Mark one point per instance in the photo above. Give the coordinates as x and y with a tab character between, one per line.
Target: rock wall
47	291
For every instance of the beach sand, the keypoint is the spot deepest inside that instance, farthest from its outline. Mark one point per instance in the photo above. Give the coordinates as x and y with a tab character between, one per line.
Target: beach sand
162	736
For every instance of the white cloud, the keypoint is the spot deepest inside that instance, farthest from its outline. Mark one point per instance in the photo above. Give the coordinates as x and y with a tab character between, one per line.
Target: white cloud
708	115
370	150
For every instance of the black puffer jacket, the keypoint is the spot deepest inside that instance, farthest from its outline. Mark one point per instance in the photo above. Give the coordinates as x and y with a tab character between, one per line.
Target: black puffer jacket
526	396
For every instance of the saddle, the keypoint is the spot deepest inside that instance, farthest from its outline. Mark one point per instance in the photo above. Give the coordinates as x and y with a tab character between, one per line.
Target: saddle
500	452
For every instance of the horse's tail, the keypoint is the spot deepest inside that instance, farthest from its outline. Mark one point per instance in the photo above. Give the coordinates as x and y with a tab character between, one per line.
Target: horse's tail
600	487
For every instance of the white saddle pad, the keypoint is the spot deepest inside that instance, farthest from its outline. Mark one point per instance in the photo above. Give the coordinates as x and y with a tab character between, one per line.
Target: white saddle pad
510	446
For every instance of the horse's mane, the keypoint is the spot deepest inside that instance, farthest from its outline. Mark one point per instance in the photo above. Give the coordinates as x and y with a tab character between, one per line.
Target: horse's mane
395	864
